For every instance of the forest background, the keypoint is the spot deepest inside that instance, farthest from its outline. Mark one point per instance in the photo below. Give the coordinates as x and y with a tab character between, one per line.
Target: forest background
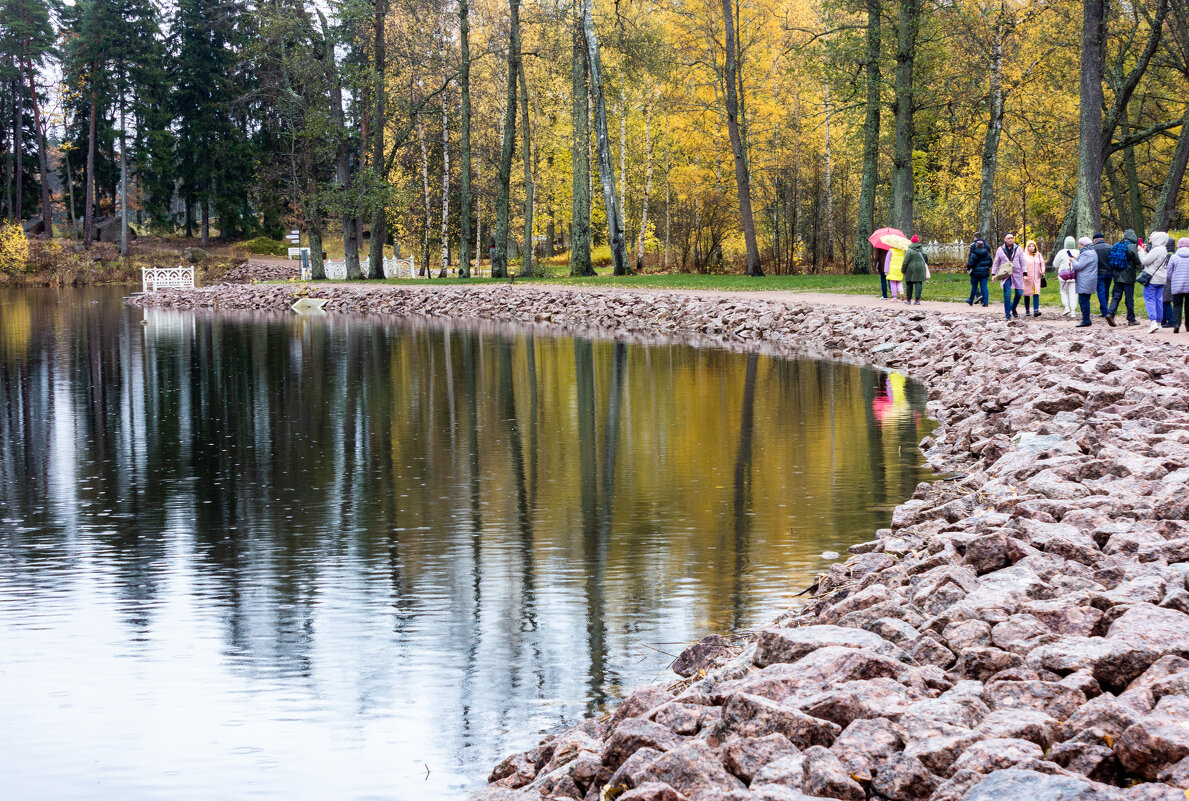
682	135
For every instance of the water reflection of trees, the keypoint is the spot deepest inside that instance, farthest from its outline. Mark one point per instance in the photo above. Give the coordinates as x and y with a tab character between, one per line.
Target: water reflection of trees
501	516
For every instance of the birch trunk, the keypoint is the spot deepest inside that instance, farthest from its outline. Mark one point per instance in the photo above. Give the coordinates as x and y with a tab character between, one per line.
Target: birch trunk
647	183
623	165
478	224
424	269
668	212
986	194
464	82
527	266
580	157
606	170
499	264
865	223
902	167
379	113
829	187
742	178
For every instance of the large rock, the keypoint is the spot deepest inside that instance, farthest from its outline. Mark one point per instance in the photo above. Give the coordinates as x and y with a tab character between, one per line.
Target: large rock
754	716
826	777
1158	740
864	745
633	734
744	756
702	655
814	672
1152	627
1014	784
1114	662
788	645
988	756
692	769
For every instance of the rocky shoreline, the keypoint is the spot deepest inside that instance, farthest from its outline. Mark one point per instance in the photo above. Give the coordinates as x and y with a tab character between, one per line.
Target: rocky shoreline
1021	631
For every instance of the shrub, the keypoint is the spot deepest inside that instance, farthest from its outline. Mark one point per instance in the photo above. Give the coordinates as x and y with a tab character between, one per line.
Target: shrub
14	249
263	246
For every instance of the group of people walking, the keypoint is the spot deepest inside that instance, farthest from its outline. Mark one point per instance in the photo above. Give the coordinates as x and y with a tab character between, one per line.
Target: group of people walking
1085	267
1020	272
1092	266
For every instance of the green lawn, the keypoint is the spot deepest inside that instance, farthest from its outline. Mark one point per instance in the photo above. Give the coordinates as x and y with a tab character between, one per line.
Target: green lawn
949	286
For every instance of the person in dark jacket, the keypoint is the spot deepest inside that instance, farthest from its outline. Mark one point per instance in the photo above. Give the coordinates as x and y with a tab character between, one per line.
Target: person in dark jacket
915	270
1103	249
877	257
978	264
1125	280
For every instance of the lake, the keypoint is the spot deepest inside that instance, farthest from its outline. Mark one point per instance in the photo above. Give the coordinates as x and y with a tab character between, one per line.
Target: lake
281	557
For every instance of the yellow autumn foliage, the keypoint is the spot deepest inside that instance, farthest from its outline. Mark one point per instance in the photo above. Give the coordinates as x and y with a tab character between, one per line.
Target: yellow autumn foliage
14	249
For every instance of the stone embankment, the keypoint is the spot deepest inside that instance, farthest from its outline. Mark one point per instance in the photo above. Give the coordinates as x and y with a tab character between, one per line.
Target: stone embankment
1019	632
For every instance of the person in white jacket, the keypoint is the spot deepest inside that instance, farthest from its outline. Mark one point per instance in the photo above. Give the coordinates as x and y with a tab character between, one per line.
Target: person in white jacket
1069	292
1154	261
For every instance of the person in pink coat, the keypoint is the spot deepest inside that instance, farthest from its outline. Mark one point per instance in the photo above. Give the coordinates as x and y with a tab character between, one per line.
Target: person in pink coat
1034	270
1010	253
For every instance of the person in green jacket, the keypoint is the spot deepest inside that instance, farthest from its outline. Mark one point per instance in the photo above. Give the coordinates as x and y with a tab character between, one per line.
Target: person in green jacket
916	271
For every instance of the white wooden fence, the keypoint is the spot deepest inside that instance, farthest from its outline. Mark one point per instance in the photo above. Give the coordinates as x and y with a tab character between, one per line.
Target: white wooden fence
336	269
946	252
154	278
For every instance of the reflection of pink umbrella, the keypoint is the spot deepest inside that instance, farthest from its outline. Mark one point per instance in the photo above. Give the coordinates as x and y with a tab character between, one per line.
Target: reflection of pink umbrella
877	237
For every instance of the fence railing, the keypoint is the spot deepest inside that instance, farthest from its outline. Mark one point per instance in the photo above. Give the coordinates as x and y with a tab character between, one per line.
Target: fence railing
154	278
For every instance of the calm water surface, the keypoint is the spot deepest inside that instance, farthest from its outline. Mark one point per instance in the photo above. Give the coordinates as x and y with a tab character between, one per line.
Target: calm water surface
286	558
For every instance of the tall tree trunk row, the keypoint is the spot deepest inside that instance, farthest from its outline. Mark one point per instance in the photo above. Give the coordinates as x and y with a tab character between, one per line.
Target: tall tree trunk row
603	143
742	177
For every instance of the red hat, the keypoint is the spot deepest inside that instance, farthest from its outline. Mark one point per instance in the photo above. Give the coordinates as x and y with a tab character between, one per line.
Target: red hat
916	238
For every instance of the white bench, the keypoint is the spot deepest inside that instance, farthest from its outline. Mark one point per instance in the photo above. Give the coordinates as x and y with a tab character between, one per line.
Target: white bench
154	278
295	253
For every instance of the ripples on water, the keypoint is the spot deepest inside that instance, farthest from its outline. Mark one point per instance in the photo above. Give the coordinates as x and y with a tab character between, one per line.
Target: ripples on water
279	557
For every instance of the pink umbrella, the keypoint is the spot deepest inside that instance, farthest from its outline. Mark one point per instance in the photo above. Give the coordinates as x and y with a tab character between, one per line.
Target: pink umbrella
876	238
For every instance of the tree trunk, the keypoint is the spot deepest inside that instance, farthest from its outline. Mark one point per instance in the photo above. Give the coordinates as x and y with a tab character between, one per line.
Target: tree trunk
499	264
424	269
580	158
18	147
865	224
986	194
1167	206
317	266
1136	208
205	211
478	224
379	113
902	166
742	178
445	183
70	193
828	186
623	167
464	83
668	212
527	266
123	184
606	170
1088	200
47	210
647	182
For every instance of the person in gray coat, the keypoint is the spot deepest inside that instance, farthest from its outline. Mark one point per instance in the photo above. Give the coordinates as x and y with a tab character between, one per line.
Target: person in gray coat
1086	282
1177	283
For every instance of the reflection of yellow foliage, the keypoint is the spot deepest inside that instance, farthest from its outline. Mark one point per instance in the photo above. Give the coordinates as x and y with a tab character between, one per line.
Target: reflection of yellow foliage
15	325
14	249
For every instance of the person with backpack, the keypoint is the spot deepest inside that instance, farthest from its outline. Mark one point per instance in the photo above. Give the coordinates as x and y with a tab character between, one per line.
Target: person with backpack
1085	268
1034	271
1008	269
916	271
1067	276
1125	267
1102	249
978	264
1153	278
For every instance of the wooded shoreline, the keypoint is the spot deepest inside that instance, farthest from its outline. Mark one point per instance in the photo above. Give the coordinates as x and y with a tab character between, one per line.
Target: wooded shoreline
1021	629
